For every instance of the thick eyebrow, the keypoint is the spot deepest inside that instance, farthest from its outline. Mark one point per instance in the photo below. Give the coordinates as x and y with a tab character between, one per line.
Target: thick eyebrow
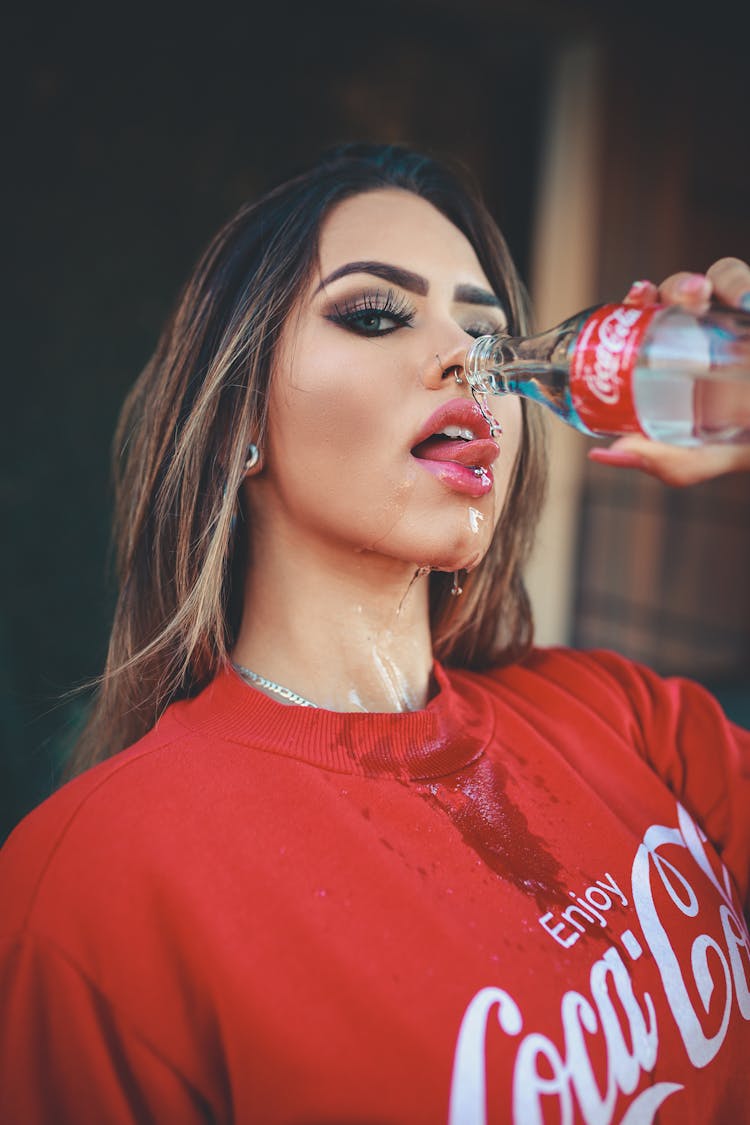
414	282
473	295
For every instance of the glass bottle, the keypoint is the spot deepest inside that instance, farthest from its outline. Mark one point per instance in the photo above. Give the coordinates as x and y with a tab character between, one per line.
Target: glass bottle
676	376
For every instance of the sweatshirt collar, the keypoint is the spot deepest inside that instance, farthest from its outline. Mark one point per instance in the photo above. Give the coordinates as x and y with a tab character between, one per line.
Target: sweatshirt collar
449	733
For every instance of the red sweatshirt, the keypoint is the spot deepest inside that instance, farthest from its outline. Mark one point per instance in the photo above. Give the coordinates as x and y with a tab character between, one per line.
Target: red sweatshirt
523	903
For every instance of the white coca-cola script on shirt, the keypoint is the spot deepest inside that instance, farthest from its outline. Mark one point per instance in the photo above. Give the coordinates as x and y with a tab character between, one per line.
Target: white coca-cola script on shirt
561	1072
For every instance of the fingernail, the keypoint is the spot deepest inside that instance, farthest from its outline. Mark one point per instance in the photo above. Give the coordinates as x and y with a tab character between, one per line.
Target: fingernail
693	285
744	302
637	288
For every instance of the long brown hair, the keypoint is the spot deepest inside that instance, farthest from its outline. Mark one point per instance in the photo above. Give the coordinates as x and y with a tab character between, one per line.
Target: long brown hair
181	537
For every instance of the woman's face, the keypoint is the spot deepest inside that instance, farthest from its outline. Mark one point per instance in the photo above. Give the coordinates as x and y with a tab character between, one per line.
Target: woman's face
372	445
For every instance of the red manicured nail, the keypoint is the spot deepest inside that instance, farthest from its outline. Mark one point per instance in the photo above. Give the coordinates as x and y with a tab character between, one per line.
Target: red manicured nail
640	293
693	285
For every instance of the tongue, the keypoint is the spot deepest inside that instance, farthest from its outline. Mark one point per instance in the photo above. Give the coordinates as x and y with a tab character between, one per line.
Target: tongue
441	448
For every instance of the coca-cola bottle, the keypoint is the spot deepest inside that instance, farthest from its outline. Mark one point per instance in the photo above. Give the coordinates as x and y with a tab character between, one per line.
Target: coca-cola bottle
673	375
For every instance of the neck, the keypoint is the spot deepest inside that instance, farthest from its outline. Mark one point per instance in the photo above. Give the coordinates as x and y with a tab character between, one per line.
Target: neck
349	635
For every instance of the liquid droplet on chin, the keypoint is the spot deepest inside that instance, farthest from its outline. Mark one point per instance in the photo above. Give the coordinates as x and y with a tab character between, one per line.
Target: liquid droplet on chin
475	518
456	589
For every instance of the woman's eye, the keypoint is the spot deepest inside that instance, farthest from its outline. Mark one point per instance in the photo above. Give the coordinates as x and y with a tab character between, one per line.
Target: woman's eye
372	323
375	314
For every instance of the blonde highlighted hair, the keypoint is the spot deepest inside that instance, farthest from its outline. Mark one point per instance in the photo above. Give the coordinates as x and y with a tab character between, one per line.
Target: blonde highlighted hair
182	539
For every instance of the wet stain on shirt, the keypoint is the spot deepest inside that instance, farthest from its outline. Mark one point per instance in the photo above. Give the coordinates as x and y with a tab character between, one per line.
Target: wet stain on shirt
476	799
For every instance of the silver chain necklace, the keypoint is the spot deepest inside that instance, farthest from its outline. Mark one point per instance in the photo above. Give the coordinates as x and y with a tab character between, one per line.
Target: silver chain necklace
277	689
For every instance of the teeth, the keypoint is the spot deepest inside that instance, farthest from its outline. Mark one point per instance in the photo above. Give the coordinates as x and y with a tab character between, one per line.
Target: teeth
459	432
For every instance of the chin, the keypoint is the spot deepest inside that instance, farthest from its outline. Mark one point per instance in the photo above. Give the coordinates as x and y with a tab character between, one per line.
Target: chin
447	557
437	542
468	561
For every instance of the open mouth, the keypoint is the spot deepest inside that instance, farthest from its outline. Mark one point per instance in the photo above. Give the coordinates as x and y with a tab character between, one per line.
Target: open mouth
455	445
458	444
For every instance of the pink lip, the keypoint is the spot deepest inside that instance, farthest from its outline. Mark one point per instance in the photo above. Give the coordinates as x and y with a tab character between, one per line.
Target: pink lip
465	466
457	412
460	478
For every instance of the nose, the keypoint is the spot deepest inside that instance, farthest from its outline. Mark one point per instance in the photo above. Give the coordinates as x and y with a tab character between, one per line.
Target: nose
448	361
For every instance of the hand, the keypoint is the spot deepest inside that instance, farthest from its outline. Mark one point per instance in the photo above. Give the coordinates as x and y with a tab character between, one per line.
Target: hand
728	281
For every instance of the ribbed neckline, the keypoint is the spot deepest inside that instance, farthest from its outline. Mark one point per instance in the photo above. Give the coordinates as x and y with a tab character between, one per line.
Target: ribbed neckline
451	731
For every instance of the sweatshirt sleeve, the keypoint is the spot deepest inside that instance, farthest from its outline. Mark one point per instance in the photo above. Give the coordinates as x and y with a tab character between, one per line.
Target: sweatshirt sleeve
702	757
66	1056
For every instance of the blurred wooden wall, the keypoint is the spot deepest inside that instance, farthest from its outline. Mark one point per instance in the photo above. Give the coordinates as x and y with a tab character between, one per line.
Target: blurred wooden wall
644	169
662	573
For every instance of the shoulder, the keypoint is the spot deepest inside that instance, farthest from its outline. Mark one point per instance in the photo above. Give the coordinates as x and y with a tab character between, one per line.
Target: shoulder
570	667
599	689
562	678
584	701
599	677
110	832
38	838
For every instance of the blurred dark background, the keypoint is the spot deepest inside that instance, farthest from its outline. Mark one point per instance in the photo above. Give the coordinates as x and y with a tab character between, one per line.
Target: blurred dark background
131	138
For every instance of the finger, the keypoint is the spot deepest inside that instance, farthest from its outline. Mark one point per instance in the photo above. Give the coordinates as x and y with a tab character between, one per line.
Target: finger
674	465
642	293
691	290
731	281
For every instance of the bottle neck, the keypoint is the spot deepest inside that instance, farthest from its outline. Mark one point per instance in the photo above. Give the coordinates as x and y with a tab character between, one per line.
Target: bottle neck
513	364
535	367
486	362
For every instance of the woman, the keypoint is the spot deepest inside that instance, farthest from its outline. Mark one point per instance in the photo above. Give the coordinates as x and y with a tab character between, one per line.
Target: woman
367	856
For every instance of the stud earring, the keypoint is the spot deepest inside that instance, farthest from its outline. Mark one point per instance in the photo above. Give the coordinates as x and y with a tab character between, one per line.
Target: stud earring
253	457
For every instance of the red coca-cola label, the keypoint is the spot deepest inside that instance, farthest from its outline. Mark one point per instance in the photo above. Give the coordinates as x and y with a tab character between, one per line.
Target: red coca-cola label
602	365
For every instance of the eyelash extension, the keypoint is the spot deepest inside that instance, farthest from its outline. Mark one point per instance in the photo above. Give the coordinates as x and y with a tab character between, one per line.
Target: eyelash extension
387	304
485	329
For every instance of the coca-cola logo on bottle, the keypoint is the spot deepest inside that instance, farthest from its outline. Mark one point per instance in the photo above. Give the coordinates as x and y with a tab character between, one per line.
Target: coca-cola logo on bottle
603	371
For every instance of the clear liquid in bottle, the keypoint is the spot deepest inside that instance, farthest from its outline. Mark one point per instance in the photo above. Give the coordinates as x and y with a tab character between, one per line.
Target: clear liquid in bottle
690	385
